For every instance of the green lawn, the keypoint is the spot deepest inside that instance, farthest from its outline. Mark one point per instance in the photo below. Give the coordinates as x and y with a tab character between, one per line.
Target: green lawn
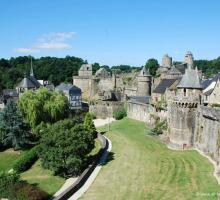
43	178
144	168
7	159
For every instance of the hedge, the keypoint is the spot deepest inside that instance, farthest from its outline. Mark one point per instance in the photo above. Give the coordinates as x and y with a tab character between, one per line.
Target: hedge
26	160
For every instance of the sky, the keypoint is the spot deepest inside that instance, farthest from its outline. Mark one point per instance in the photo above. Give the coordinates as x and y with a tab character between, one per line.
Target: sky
110	32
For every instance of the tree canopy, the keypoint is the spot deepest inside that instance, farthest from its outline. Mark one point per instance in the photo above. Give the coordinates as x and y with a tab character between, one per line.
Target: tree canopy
14	132
152	64
65	147
43	106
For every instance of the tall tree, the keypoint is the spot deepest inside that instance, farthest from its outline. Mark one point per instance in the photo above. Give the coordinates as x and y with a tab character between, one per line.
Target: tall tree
152	64
89	124
13	130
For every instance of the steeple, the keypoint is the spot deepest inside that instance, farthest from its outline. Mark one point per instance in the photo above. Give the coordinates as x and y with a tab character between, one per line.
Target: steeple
31	70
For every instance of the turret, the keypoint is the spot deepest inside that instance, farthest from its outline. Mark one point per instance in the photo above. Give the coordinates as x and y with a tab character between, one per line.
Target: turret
144	83
166	61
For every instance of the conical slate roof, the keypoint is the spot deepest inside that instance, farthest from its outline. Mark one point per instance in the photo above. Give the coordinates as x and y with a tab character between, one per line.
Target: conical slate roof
144	72
190	79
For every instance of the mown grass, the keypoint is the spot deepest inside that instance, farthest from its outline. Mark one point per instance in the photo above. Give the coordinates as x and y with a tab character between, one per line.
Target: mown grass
43	178
144	168
7	159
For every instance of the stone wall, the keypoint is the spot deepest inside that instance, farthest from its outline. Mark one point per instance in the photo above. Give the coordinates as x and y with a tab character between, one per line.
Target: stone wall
140	111
207	135
181	122
104	109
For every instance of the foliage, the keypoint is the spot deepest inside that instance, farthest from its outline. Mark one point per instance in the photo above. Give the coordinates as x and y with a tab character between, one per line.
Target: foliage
123	69
6	181
64	148
26	160
13	131
89	124
120	113
43	106
160	126
161	104
152	64
216	105
12	188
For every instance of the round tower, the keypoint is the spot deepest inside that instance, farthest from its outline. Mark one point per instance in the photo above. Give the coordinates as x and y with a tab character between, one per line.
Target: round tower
166	61
144	83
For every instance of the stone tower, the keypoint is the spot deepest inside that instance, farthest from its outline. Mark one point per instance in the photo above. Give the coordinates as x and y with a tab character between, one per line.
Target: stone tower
144	83
182	108
189	59
166	61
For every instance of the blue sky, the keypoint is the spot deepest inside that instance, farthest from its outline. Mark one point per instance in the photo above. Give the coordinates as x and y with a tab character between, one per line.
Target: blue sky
110	32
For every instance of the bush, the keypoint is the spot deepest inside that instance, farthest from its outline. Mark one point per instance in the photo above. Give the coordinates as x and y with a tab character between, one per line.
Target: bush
12	188
120	114
7	181
159	128
26	160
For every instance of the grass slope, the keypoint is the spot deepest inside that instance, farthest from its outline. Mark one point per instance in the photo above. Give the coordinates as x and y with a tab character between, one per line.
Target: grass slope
43	178
7	159
144	168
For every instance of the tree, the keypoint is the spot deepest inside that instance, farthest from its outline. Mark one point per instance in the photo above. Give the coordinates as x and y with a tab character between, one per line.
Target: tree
64	150
152	65
89	124
14	131
43	106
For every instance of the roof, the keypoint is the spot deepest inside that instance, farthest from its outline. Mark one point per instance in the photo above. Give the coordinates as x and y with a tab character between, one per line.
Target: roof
29	82
174	71
144	72
181	67
206	83
210	84
68	87
163	85
190	80
140	99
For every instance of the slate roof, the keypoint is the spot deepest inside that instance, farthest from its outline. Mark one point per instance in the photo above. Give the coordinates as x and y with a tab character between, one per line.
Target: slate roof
163	85
181	67
144	72
29	82
140	99
190	79
206	83
68	87
174	71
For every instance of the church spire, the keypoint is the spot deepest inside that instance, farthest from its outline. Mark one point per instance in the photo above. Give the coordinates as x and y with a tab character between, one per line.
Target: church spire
31	70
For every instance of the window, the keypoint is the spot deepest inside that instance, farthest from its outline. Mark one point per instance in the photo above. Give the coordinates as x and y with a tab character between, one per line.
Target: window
184	91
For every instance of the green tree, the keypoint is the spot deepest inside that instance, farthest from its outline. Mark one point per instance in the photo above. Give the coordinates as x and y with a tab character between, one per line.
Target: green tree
89	124
43	106
152	64
64	150
13	131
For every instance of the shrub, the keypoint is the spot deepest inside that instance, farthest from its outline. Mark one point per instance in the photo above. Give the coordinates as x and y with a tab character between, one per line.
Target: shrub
12	188
26	160
159	127
120	114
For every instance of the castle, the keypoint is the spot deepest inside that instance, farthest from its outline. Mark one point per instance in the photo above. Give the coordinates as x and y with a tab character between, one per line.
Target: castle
178	95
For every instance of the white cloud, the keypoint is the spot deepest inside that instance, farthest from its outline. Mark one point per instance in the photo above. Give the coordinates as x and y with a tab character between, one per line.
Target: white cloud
51	41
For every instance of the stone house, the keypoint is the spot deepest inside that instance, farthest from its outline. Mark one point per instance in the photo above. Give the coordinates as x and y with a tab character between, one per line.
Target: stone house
73	94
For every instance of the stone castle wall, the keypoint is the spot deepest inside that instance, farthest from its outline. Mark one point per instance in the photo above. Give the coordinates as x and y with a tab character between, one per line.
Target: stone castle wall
139	111
104	109
181	122
207	134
